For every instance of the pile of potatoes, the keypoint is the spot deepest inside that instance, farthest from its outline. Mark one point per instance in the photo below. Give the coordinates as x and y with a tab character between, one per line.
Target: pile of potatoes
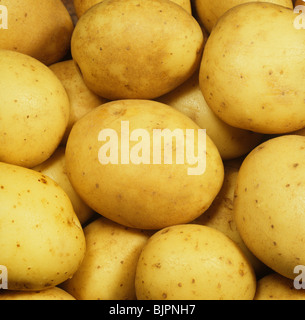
75	74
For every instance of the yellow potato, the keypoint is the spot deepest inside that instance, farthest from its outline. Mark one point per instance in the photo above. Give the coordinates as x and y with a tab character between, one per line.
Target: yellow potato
134	49
41	29
251	73
230	141
209	11
82	100
55	168
54	293
108	269
81	6
269	203
123	171
34	110
41	239
276	287
220	215
193	262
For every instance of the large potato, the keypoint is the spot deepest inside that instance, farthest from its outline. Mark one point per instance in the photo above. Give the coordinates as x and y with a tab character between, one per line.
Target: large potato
34	110
251	73
108	269
231	142
276	287
208	12
81	6
135	48
55	168
82	100
220	215
54	293
41	29
269	203
147	182
193	262
41	239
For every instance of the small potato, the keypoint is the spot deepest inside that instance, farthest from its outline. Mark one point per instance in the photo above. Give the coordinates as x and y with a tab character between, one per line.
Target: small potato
34	110
82	100
41	239
55	168
276	287
231	142
41	29
209	11
108	269
269	203
193	262
81	6
134	49
251	73
54	293
220	215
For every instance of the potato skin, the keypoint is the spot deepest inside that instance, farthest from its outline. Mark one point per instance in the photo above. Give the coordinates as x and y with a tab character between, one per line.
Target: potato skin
41	29
269	203
34	110
42	241
193	262
256	82
135	49
144	195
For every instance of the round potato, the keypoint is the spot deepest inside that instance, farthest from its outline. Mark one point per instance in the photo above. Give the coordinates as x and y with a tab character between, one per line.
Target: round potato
269	203
41	239
55	168
231	142
133	49
34	110
108	269
81	6
220	215
54	293
276	287
82	100
209	11
193	262
251	73
41	29
131	167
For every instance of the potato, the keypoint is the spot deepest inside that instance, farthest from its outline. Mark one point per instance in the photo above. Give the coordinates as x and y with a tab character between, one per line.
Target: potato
55	168
269	203
82	100
276	287
108	269
220	215
231	142
41	29
81	6
126	171
34	110
54	293
193	262
133	49
251	73
208	12
42	242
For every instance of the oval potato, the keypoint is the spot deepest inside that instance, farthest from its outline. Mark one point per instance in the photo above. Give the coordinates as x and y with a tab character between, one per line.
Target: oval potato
134	49
193	262
41	239
34	110
126	181
269	203
251	73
